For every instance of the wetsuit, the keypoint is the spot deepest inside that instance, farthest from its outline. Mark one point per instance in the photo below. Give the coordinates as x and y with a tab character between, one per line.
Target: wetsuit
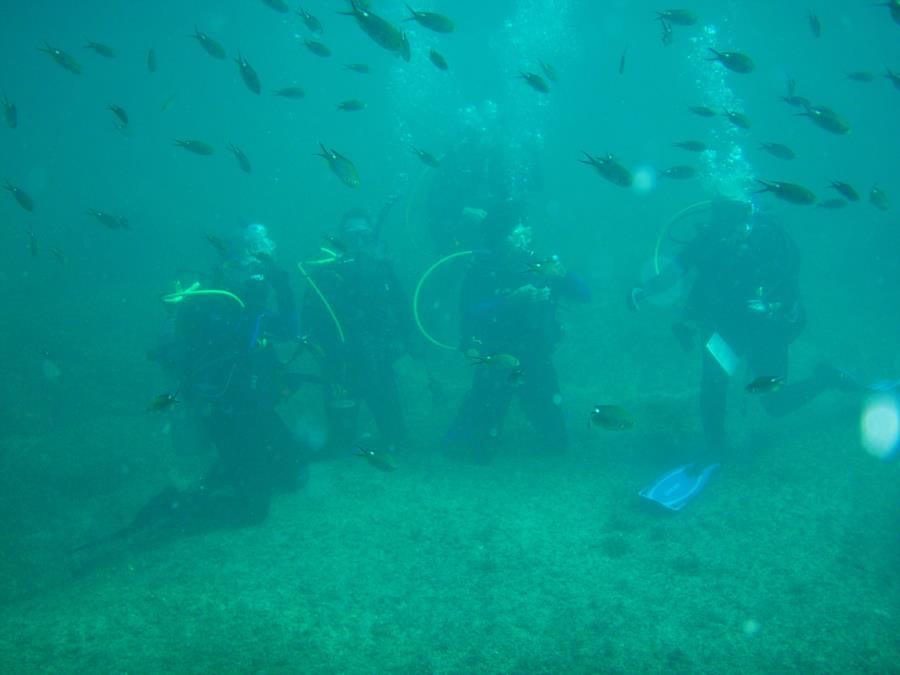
747	291
496	319
376	318
231	380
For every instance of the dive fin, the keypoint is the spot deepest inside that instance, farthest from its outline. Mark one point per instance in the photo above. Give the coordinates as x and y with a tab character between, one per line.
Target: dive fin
677	487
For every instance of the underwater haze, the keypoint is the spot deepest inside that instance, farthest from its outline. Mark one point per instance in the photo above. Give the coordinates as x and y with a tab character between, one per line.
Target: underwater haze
134	153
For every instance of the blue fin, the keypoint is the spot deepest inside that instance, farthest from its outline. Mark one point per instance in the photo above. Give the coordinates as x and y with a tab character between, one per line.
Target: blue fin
884	386
677	487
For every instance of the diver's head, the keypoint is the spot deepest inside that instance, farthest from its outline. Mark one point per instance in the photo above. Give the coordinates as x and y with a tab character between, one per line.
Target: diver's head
505	225
256	245
357	232
247	257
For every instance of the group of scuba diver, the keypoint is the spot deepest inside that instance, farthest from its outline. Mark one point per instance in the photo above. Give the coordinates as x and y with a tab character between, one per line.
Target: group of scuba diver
741	313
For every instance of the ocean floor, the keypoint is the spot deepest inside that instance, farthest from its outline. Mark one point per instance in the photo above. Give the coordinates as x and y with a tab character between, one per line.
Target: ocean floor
789	562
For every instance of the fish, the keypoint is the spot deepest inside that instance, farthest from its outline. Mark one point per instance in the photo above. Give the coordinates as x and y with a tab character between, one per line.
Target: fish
845	190
382	461
738	119
311	22
666	38
894	8
778	150
194	146
59	256
10	114
151	60
611	418
734	61
437	59
385	34
290	92
317	48
549	71
32	243
112	221
351	105
63	59
878	198
216	242
622	61
119	112
360	68
791	86
815	24
427	158
691	146
210	46
788	192
536	82
251	79
340	166
515	376
432	21
679	172
502	360
796	101
278	5
832	204
101	49
765	384
862	76
702	111
241	158
827	119
893	77
168	102
162	402
21	197
677	17
610	168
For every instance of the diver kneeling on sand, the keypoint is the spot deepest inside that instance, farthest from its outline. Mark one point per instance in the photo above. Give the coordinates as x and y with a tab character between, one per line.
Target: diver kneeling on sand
745	307
230	378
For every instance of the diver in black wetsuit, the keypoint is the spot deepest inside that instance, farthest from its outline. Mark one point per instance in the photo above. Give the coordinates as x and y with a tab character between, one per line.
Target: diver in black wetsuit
744	304
220	352
510	327
376	328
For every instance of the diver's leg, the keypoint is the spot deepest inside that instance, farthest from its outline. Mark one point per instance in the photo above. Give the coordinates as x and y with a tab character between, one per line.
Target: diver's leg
477	423
713	405
341	408
770	357
382	395
540	400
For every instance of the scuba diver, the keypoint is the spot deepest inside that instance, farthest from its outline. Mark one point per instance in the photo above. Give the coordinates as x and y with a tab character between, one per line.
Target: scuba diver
510	327
486	165
219	349
357	323
744	306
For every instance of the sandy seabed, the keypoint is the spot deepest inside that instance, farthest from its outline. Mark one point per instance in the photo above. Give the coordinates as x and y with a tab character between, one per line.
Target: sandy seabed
789	562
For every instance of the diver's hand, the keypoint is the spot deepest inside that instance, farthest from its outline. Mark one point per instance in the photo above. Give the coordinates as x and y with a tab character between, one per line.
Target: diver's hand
531	293
636	296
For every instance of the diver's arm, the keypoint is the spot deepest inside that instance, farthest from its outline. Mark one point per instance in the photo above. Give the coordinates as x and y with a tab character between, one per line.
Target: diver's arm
285	324
668	276
572	287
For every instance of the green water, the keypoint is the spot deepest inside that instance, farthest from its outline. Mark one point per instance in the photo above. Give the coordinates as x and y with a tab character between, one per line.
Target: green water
788	562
